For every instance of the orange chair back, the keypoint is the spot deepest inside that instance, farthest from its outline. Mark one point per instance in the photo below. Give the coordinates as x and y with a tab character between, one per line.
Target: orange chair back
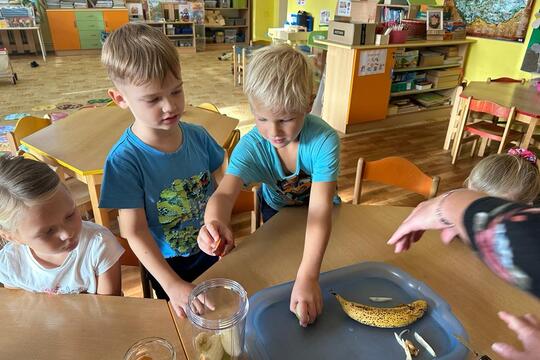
25	126
395	171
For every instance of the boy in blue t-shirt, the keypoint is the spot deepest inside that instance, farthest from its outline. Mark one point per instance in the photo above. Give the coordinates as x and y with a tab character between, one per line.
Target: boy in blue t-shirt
160	173
296	158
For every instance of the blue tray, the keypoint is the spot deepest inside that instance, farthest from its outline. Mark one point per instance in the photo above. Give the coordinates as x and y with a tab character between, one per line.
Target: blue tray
272	331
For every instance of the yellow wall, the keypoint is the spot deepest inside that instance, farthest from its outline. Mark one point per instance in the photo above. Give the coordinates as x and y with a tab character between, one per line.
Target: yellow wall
496	58
265	15
487	58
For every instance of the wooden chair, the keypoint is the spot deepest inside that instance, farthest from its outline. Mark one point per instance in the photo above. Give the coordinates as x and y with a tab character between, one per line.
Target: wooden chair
396	171
129	258
507	80
247	201
27	126
484	129
241	54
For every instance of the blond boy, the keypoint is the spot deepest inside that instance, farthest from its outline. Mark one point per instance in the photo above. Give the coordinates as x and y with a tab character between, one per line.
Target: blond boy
296	158
160	173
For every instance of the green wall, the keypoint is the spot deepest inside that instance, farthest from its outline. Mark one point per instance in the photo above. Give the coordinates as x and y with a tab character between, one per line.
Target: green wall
265	15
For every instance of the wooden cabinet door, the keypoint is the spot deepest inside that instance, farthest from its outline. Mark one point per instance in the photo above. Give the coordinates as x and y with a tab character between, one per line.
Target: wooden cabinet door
64	32
114	19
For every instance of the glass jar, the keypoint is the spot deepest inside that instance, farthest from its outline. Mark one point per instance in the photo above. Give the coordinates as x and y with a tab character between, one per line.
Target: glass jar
217	309
152	348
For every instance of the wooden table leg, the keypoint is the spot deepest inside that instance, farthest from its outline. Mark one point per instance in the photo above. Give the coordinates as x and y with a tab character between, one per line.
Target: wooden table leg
41	45
101	216
454	116
528	135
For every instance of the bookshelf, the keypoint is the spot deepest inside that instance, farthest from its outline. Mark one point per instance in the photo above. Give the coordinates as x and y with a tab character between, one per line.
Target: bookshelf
353	102
181	34
235	26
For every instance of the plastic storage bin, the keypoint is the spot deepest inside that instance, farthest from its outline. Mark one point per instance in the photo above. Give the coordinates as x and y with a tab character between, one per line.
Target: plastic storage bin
230	36
239	4
210	3
402	86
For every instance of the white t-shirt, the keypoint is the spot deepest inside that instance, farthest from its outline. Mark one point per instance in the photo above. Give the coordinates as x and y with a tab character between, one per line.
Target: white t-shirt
96	252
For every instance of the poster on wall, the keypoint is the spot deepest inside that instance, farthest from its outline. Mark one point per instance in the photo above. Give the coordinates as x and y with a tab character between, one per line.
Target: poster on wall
531	61
301	2
344	8
493	19
372	62
325	17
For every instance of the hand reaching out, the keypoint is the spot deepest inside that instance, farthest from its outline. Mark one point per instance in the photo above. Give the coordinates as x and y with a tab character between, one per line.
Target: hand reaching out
527	328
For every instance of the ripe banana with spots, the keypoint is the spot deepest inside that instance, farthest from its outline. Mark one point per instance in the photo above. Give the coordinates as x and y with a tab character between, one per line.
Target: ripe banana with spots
393	317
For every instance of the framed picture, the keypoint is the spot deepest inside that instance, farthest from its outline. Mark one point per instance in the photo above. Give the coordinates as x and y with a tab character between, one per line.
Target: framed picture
434	20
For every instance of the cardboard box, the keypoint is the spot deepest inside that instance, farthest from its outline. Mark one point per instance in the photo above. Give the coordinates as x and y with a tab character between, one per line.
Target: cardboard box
351	33
356	11
431	59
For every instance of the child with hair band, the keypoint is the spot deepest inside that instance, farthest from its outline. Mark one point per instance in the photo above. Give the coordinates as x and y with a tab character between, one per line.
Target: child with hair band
294	155
514	176
49	248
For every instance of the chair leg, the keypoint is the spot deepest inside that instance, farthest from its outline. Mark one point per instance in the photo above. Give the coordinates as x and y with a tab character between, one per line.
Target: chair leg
482	149
473	148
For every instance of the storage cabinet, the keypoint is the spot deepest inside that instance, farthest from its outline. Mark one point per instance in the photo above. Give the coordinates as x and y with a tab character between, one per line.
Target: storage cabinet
64	31
81	29
114	19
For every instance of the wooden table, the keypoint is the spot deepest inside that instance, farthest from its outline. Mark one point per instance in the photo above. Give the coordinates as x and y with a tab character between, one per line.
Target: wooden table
82	141
524	97
272	254
19	46
67	327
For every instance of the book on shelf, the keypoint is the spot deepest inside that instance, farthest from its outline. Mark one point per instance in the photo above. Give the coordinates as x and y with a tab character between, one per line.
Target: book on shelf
445	72
443	81
453	60
431	99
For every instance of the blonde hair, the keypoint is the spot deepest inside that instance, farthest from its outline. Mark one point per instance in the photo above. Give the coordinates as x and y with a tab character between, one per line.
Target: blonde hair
506	176
280	79
23	183
139	54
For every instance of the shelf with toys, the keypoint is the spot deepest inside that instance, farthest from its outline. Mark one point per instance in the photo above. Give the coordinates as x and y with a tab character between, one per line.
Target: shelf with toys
386	80
181	33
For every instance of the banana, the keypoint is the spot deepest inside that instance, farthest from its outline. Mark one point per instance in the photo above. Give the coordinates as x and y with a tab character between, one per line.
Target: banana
393	317
230	340
209	346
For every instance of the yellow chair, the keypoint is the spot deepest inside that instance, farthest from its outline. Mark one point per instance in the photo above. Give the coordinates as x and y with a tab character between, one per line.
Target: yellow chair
28	125
396	171
247	200
25	126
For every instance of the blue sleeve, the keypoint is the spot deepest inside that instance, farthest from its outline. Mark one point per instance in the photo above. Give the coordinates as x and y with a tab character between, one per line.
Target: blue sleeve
244	161
216	154
122	186
326	158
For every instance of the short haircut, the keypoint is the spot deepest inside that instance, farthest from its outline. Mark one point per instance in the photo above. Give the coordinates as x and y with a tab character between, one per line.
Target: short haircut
506	176
23	183
280	79
139	54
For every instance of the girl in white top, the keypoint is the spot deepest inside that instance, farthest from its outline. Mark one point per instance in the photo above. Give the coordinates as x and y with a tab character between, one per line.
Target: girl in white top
50	249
